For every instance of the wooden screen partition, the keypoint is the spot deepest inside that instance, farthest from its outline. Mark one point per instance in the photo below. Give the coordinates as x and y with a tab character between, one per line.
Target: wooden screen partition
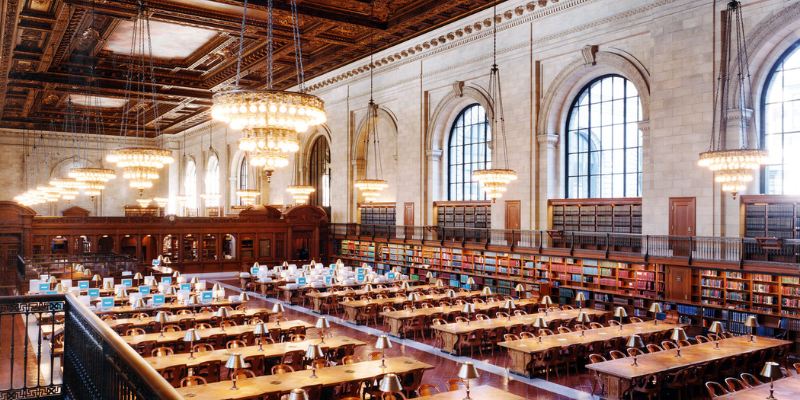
618	215
259	233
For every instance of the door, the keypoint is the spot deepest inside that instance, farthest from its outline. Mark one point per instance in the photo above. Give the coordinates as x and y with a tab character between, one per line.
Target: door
678	283
681	224
408	219
513	208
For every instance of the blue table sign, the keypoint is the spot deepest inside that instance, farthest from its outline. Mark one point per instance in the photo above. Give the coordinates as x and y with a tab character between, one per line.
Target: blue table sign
156	262
390	275
254	270
51	292
83	285
186	286
106	302
43	287
301	281
166	279
144	290
158	299
360	271
361	277
328	280
127	282
94	293
207	296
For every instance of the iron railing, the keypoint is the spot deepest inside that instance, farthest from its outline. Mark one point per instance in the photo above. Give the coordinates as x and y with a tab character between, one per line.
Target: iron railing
691	248
96	362
62	264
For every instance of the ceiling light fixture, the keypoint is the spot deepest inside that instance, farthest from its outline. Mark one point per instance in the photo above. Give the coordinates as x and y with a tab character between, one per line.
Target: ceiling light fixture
732	168
494	181
372	188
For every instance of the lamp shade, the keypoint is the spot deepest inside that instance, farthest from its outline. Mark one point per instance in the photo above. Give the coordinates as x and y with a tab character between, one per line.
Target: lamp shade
580	297
771	370
222	312
161	317
751	322
509	305
260	329
191	335
520	287
278	308
383	343
678	334
314	352
87	272
244	297
53	279
138	275
298	394
470	281
468	371
656	308
322	323
405	285
716	327
391	384
216	287
486	291
140	303
429	275
235	361
439	283
451	293
368	287
59	287
635	341
193	299
176	274
539	322
195	280
468	308
95	278
583	318
546	300
620	312
108	285
413	296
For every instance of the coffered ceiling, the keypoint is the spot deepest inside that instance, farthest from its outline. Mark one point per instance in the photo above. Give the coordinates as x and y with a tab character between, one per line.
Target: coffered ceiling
54	51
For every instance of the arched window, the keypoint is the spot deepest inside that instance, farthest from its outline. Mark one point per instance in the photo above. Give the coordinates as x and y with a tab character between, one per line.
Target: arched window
243	176
190	185
781	125
212	182
319	170
468	150
603	140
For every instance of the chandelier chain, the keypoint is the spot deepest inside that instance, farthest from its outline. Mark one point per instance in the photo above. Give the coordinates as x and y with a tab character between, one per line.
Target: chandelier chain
241	45
298	47
270	46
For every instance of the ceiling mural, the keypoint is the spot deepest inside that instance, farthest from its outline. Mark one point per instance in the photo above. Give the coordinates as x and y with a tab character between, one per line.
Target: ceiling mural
54	51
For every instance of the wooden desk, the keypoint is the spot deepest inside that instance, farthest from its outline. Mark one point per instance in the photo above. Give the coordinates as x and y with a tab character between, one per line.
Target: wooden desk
319	298
171	337
395	319
290	294
280	384
197	317
166	307
276	350
619	375
353	308
522	351
785	389
482	392
450	332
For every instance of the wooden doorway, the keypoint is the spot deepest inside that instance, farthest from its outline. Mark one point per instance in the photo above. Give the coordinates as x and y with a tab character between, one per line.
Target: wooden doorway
681	224
408	219
513	210
678	283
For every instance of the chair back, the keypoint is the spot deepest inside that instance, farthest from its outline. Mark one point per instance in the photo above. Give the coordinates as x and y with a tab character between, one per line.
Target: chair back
281	369
715	390
193	380
596	358
735	384
162	352
652	348
616	354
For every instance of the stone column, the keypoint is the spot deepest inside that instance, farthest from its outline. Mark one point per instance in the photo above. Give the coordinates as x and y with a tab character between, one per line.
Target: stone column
549	180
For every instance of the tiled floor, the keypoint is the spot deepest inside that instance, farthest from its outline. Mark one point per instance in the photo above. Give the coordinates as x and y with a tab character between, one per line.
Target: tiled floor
446	367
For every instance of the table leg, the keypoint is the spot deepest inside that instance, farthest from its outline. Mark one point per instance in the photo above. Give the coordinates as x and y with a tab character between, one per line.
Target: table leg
395	324
350	314
317	303
520	360
449	341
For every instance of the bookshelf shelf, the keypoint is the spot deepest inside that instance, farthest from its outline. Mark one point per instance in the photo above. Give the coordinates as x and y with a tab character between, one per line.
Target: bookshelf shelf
377	213
622	215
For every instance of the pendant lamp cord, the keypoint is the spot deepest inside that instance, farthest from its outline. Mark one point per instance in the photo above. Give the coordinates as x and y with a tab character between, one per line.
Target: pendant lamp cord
496	92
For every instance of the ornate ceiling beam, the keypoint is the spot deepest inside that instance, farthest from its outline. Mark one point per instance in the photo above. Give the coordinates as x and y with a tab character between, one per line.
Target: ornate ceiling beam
318	11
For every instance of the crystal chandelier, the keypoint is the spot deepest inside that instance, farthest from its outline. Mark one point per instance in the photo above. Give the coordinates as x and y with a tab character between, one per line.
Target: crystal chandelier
269	159
92	180
494	181
269	108
371	188
140	164
143	203
161	202
248	196
68	188
300	193
733	168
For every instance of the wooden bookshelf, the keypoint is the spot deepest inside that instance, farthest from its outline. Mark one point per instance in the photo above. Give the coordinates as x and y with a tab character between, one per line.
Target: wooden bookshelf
770	216
463	214
377	213
616	215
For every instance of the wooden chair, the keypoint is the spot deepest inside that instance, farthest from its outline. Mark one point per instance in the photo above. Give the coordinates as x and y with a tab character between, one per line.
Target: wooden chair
735	384
669	345
596	381
634	320
437	335
140	315
184	312
633	351
509	337
162	352
145	347
319	363
520	312
294	359
375	355
228	324
471	340
684	343
652	348
193	380
298	337
563	329
135	332
210	370
526	335
172	328
393	396
545	332
613	322
454	384
701	339
567	307
750	379
109	317
676	382
234	344
281	369
715	390
462	319
595	325
202	325
616	354
427	389
241	374
202	347
349	360
796	367
256	363
481	317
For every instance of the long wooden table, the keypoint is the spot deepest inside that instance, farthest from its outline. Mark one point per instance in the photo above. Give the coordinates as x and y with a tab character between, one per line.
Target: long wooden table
269	351
197	317
327	377
166	307
318	299
395	319
353	308
291	294
522	351
232	331
618	375
450	333
785	389
482	392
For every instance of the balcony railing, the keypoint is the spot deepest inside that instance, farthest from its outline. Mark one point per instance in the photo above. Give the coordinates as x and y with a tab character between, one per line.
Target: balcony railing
62	264
693	249
87	360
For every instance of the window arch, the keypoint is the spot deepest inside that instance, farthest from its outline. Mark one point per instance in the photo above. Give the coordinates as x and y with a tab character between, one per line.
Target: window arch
468	150
212	181
319	170
190	184
603	140
780	105
244	176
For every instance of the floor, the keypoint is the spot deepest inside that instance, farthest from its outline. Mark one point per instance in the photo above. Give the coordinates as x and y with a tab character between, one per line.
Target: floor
492	366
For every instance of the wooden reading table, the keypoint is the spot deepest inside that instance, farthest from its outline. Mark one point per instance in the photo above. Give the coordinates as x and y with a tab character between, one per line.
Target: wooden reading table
785	388
231	331
482	392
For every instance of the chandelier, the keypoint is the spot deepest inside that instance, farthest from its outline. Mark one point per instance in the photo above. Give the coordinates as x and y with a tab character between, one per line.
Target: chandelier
68	188
143	203
371	188
494	181
248	196
92	180
161	202
733	168
140	164
300	193
269	108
